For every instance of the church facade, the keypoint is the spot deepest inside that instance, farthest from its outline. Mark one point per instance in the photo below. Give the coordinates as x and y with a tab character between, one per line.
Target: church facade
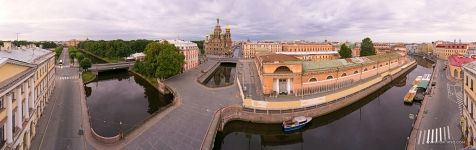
218	43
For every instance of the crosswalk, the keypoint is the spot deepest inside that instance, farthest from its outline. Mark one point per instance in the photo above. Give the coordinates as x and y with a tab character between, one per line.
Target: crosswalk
439	135
459	101
63	66
68	77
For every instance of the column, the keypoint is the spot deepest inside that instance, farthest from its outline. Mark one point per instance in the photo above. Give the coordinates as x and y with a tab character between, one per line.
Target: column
18	118
31	99
9	129
288	85
277	86
26	110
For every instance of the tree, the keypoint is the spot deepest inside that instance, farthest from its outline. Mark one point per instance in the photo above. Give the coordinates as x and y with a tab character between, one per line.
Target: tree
345	52
85	63
170	62
72	54
200	46
367	47
58	51
79	56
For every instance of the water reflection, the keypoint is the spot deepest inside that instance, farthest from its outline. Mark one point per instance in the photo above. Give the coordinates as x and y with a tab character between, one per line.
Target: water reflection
378	121
120	97
222	76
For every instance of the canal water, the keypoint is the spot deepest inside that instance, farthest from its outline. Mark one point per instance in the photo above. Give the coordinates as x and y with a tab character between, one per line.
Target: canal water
379	121
222	76
121	97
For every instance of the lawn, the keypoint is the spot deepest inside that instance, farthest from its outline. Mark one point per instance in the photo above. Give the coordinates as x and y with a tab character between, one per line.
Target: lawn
88	76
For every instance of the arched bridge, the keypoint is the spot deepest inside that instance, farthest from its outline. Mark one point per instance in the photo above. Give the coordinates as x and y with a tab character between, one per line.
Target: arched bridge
96	68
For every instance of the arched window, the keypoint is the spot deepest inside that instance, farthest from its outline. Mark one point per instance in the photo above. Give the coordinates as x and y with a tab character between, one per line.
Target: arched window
343	75
283	69
380	65
365	69
313	80
356	72
373	67
329	77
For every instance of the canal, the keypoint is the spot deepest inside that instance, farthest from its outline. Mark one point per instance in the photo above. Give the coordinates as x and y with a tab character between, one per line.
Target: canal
222	76
119	100
379	121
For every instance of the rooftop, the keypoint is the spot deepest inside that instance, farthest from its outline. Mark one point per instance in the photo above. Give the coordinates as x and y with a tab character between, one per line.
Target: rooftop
309	53
28	55
459	60
277	58
470	67
324	65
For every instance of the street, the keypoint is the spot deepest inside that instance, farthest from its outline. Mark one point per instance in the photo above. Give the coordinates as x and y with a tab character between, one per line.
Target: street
440	123
60	125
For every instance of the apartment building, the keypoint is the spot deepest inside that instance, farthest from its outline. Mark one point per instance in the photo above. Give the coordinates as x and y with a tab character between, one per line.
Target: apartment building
26	83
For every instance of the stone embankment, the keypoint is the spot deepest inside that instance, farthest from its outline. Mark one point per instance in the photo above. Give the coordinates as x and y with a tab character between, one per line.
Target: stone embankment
244	113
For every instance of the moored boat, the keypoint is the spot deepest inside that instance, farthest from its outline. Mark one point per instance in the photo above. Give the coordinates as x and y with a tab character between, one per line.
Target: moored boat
296	123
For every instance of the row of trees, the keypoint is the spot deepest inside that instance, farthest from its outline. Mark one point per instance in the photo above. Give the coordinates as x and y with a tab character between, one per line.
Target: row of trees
84	62
200	46
162	60
366	49
44	44
114	49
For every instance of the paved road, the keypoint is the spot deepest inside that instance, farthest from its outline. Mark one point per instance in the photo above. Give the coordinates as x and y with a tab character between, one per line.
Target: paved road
185	127
59	126
248	76
440	124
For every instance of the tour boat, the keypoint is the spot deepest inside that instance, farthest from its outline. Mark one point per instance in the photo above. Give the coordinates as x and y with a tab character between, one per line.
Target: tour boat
410	95
417	80
296	123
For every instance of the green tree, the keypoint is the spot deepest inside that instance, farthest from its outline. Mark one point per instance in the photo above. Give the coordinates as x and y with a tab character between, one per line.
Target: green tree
79	56
367	47
72	54
85	63
345	52
170	62
200	46
58	51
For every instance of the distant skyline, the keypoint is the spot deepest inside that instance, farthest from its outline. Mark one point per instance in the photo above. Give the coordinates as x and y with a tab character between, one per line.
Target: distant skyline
315	20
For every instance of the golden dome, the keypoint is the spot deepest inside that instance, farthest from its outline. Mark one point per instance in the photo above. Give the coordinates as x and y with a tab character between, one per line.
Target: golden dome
227	27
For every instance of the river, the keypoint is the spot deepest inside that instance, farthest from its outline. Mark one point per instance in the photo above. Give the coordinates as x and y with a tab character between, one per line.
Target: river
379	121
118	100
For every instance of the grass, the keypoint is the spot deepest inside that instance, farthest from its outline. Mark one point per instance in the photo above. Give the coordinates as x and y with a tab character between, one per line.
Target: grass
88	76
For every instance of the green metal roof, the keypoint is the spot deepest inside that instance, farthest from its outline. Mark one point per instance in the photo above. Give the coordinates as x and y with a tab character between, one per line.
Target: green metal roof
423	84
325	65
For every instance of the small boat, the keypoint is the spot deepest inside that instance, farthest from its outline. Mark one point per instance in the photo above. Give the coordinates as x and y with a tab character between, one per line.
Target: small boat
410	95
296	123
417	80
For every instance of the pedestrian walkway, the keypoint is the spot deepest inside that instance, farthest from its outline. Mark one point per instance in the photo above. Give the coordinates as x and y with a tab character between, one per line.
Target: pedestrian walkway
440	135
63	66
68	77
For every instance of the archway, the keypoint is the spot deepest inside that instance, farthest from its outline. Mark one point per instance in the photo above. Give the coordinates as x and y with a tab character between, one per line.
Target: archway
455	74
282	69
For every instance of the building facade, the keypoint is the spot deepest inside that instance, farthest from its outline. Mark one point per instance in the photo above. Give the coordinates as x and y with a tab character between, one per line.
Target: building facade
72	43
443	51
469	101
454	65
288	75
27	79
307	47
189	50
250	48
218	43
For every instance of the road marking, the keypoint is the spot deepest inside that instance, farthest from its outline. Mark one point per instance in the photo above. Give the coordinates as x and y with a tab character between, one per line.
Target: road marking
441	140
444	133
432	135
449	135
428	137
419	136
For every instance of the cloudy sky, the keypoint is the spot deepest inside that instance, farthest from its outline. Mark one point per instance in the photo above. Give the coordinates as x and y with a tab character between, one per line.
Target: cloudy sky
336	20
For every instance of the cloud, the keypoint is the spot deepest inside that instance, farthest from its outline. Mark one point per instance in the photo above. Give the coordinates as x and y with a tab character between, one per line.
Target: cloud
339	20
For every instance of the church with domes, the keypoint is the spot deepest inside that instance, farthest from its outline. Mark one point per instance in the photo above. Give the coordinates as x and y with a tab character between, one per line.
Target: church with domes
218	43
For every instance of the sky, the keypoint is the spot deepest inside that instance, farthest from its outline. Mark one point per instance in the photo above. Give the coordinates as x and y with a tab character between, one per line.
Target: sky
313	20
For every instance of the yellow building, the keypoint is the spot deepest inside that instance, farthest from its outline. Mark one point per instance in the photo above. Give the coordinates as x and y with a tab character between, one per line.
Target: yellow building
443	51
250	48
284	74
307	47
26	82
469	101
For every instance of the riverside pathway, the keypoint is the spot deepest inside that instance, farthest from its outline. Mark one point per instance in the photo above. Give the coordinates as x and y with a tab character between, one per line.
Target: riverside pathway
185	126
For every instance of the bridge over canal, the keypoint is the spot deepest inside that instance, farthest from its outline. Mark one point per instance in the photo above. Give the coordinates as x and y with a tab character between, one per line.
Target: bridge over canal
96	68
